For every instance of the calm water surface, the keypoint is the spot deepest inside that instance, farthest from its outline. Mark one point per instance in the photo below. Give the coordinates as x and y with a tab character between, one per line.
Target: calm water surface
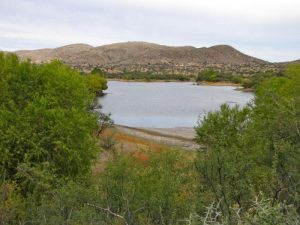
165	104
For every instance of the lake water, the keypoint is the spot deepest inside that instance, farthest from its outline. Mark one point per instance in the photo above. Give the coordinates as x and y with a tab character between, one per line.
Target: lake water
166	104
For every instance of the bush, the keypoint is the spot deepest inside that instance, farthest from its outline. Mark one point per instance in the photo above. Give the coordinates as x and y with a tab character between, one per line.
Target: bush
11	205
155	189
254	150
207	75
96	83
44	118
148	76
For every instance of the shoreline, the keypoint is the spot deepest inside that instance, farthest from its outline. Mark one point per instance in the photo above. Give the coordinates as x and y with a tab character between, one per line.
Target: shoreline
146	81
249	90
182	137
137	141
221	83
204	83
238	87
181	133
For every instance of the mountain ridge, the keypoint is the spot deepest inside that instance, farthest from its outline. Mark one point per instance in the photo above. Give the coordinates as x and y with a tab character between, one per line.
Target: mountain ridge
150	57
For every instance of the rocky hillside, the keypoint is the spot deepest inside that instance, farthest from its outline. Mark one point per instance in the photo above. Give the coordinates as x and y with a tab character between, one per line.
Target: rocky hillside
148	57
296	61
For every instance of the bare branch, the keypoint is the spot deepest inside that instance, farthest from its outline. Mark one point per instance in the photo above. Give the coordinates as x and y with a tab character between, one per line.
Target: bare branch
109	211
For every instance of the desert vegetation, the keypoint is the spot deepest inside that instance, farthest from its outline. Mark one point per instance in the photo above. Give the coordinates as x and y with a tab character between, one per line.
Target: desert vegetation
251	81
247	171
148	76
96	82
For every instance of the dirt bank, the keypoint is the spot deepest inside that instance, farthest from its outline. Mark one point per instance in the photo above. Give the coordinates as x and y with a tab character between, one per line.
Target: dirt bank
181	136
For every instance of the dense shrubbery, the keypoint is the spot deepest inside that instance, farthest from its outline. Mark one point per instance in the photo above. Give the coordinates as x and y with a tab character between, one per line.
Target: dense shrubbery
147	76
254	80
96	81
255	150
156	189
45	124
46	131
247	173
250	81
217	76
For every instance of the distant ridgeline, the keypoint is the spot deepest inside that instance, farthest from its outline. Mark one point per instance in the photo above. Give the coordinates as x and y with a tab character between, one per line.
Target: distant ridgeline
147	58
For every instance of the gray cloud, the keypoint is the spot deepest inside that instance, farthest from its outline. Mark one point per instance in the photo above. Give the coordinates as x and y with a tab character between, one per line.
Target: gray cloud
271	32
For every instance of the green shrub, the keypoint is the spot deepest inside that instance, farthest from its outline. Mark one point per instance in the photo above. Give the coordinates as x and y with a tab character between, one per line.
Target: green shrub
44	118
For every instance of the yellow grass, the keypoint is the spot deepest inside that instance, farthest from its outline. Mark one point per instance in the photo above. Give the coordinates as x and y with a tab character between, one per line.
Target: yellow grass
135	146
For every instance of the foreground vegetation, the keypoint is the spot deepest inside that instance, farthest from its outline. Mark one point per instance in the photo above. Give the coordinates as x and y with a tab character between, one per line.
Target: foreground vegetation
247	173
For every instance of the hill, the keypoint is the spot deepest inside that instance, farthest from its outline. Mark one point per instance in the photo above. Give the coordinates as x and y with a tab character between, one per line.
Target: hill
148	57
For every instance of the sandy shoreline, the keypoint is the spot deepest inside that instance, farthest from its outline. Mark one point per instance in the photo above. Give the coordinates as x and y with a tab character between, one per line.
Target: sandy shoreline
179	136
238	87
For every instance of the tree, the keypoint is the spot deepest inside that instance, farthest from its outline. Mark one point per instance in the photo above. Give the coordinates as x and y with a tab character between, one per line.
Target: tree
224	165
255	149
98	71
96	83
207	75
44	119
276	120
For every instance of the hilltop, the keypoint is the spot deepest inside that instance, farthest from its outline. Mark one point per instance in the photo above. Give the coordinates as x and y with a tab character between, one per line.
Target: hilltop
149	57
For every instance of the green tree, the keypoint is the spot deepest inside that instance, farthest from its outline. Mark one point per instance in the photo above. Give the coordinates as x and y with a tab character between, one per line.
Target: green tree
207	75
96	83
98	71
44	119
276	121
224	165
253	150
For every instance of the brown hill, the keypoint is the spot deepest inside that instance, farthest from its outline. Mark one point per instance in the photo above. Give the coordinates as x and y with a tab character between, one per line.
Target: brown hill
142	56
296	61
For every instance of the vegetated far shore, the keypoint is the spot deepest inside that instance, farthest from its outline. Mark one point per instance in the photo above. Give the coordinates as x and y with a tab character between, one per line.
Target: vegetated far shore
239	86
207	83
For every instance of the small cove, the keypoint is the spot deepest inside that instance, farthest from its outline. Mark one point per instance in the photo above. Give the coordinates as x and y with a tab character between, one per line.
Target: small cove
166	104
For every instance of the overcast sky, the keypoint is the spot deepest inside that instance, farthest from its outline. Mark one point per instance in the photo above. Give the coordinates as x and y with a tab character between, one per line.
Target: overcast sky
267	29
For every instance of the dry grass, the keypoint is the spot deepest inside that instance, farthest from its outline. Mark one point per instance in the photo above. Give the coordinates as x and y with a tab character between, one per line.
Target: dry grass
129	143
133	145
156	133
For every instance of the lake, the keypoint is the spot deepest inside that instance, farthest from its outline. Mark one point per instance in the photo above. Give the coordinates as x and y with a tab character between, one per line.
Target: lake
166	104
